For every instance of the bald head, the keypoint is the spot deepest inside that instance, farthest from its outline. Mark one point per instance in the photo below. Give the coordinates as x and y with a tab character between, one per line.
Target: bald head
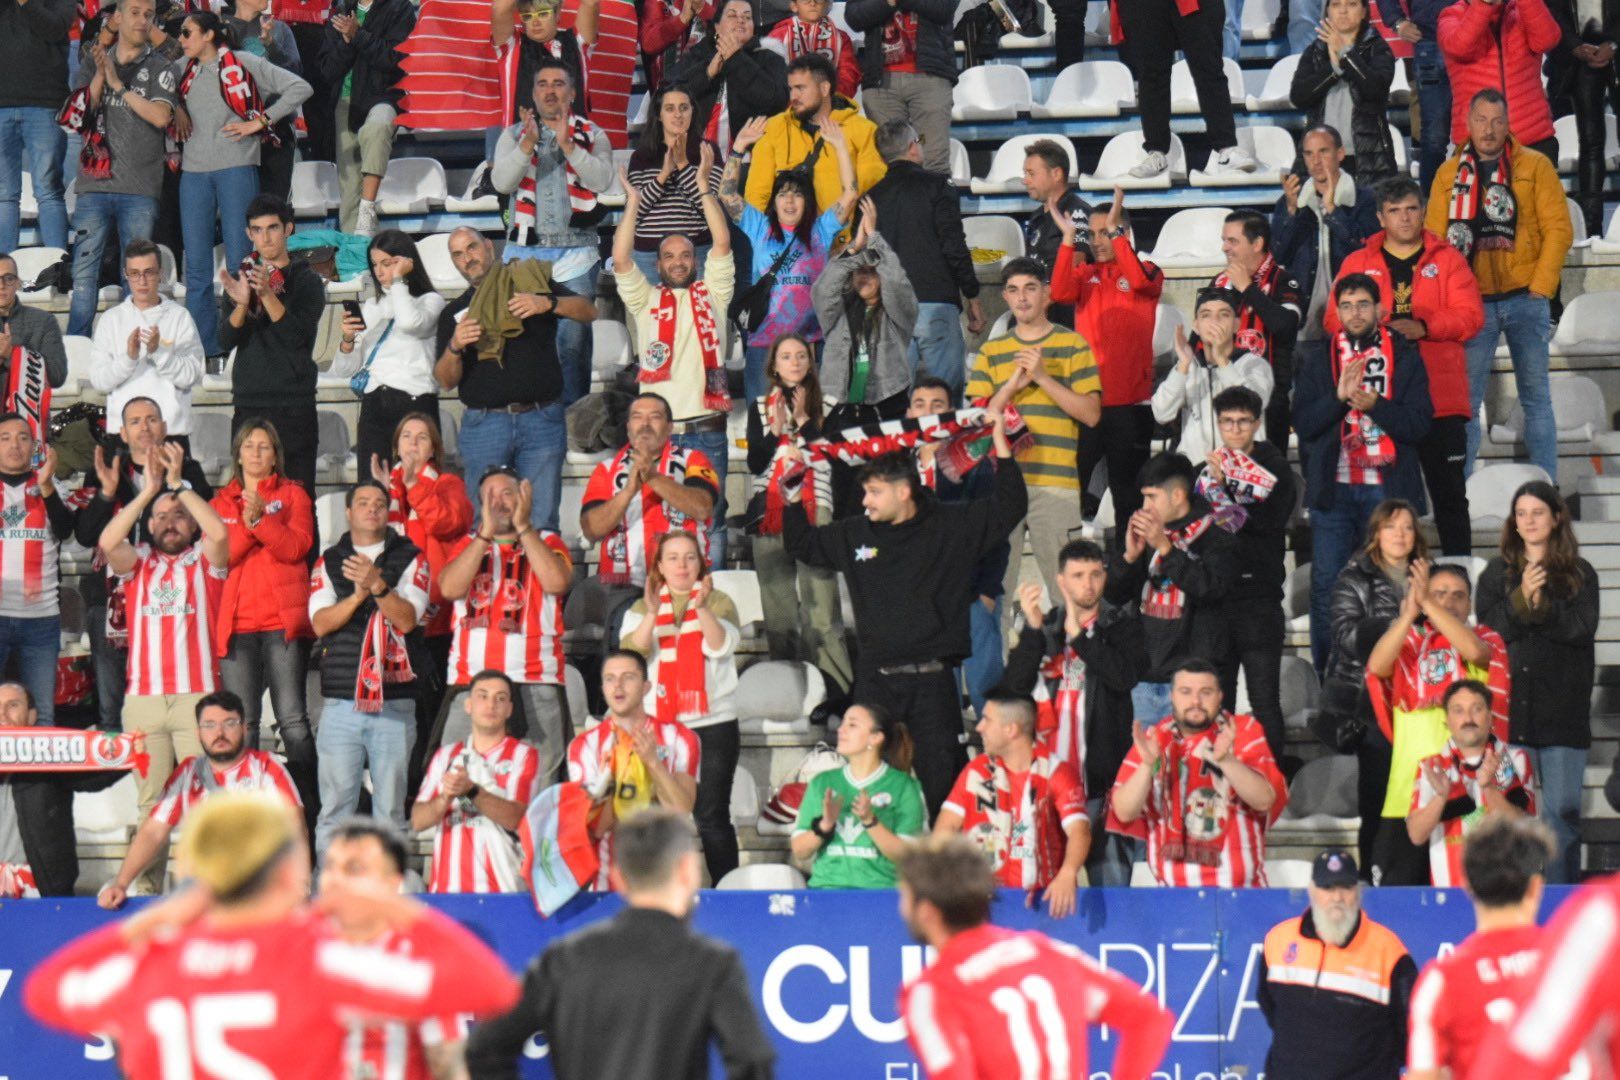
472	254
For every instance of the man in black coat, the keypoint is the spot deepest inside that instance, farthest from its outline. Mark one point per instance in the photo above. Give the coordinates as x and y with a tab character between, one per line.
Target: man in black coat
361	58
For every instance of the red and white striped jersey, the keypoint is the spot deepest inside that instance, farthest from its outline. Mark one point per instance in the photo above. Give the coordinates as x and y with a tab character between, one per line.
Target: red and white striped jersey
590	762
507	620
625	550
472	854
196	779
1446	842
396	1050
28	553
1462	995
171	602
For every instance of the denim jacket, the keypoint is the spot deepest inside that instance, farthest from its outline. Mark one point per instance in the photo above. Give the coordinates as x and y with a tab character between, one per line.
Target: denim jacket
556	223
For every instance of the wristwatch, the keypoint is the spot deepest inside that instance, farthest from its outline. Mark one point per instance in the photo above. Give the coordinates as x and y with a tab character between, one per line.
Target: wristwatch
177	487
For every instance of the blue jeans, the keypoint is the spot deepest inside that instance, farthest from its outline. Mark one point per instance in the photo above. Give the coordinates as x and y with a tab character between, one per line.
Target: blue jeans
1303	18
1111	853
1150	702
716	446
1560	773
1526	320
352	742
1434	105
207	198
1231	43
31	142
35	642
534	443
1335	536
96	217
574	340
983	668
937	347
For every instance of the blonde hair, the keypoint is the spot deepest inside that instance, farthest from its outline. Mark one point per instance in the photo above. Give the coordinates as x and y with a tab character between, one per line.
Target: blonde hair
232	839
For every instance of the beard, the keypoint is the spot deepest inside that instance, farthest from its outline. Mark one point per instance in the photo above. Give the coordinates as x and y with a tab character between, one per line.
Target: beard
171	543
1333	927
677	279
226	756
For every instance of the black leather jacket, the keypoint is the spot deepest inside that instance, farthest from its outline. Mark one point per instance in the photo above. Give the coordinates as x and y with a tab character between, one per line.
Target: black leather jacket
1365	601
1368	70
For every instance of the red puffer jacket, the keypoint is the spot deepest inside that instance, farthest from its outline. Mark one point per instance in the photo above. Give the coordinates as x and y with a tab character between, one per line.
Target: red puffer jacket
436	516
1499	45
268	567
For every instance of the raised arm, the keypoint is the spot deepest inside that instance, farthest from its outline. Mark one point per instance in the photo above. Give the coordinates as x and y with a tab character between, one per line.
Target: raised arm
849	190
624	237
713	214
730	196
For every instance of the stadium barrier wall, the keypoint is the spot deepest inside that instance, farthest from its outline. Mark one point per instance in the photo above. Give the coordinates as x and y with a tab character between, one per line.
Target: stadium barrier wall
826	968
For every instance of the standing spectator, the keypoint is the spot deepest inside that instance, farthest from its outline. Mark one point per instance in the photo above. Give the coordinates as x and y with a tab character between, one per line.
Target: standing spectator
1175	566
308	21
810	29
908	69
1272	309
1081	659
521	56
791	238
1046	181
1115	293
1543	597
273	308
1499	46
1206	366
1417	24
1589	41
1342	84
474	795
392	373
669	30
361	57
1361	407
219	164
731	76
1335	986
122	107
511	387
1315	226
34	520
366	601
687	630
1252	489
33	85
258	33
869	313
1500	203
147	346
1201	786
33	329
1434	301
261	626
663	170
920	216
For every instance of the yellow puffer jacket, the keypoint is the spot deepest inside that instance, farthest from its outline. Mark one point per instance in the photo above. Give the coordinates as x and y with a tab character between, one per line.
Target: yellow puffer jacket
1544	233
786	143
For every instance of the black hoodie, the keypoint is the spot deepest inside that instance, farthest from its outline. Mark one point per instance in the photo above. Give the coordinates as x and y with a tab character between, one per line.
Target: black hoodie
1262	541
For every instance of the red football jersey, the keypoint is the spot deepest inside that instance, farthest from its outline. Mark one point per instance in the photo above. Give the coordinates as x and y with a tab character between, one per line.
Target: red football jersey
266	1002
999	1003
396	1050
1460	997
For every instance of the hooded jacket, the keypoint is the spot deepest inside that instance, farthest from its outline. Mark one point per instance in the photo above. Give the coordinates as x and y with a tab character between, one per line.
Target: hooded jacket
268	558
1500	46
1190	396
754	81
936	45
1296	239
1544	235
890	371
1367	69
787	142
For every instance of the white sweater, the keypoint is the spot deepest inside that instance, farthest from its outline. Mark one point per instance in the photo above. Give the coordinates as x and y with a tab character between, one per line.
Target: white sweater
165	374
1188	396
405	359
719	665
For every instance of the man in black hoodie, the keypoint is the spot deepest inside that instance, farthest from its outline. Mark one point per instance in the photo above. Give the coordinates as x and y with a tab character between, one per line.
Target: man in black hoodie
909	561
1176	565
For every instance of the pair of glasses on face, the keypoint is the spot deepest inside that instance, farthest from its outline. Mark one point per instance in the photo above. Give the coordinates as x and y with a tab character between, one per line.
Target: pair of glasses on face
538	16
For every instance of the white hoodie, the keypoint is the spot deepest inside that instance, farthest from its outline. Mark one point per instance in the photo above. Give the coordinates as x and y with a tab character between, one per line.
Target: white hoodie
165	374
1189	397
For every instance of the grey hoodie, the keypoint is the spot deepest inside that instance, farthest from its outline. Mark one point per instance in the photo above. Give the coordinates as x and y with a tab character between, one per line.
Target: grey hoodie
890	372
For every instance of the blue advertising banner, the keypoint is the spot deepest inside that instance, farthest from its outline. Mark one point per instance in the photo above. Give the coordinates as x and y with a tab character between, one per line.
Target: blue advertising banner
826	968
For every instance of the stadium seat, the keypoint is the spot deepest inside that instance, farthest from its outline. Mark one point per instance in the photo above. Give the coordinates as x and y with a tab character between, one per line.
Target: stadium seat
762	877
27	205
1121	154
211	440
108	816
314	189
994	232
638	111
1191	237
1404	162
1272	147
610	348
961	167
571	496
578	700
1578	411
435	251
31	263
1300	691
1279	80
1400	89
330	518
1569	143
1165	322
466	203
70	603
1089	88
449	434
1577	221
335	447
1290	873
743	588
776	697
219	264
1098	23
168	270
1043	40
1142	876
615	195
1490	490
1007	166
1590	326
1297	598
836	14
1183	99
80	352
744	798
1324	788
1259	22
413	185
991	92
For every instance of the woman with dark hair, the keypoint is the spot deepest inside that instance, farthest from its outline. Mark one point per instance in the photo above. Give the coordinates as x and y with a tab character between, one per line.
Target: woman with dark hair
790	240
1542	597
803	614
1366	599
854	822
1343	81
663	170
389	351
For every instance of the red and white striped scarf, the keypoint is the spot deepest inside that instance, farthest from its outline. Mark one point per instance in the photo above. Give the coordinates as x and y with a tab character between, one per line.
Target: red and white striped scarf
812	495
683	691
1427	665
28	393
580	198
1162	598
1366	447
1024	825
1252	335
241	93
804	39
383	659
658	357
1245	483
1060	697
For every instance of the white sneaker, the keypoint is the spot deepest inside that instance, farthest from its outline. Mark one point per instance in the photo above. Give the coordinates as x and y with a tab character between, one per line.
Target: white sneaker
1154	164
365	218
1234	159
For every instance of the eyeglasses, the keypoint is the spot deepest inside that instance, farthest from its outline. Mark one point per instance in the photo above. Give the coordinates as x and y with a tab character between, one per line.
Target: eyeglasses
536	16
1237	421
141	275
208	727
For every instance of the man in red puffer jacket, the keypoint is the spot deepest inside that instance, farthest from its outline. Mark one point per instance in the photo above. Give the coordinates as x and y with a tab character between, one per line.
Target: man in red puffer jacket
1500	43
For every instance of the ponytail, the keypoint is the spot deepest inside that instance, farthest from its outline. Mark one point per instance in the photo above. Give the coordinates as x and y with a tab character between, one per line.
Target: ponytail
898	747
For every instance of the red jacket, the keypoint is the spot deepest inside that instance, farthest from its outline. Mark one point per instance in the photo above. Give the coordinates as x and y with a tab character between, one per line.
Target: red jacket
661	28
1500	46
1445	299
845	58
268	558
436	517
1116	304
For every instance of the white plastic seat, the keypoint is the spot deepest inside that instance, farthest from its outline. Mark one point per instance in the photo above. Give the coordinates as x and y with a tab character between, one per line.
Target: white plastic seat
1578	408
1192	237
1577	222
334	446
1324	788
1099	21
615	195
1183	94
1297	597
31	263
994	232
80	352
1260	20
1404	162
744	798
314	189
27	205
168	269
610	347
1290	873
330	518
1043	40
1590	326
1089	88
211	440
776	697
762	877
743	588
1490	490
1165	322
1569	142
569	500
412	185
1007	166
107	816
1279	80
1300	692
435	251
1400	89
574	691
1122	154
991	92
961	167
1272	147
638	111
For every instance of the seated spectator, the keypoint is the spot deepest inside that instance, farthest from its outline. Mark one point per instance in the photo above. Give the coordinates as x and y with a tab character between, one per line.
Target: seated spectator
908	70
803	612
663	170
511	386
1046	182
1175	564
669	30
521	56
790	239
33	81
1080	660
392	373
29	328
34	521
1316	225
256	32
1472	777
1543	597
474	795
223	761
1207	366
1202	787
868	312
361	57
810	29
1271	308
855	821
1342	83
1361	407
687	630
147	346
731	75
1499	46
366	602
121	107
1008	800
507	581
633	759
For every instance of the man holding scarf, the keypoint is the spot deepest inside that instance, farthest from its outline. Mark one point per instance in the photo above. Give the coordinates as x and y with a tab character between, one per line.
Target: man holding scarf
30	340
1272	308
1502	206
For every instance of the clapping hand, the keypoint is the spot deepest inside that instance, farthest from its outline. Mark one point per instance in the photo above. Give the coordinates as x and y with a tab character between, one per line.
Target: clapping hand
106	465
1061	217
1029	365
47	470
135	344
701	591
1212	463
174	460
380	471
749	135
705	170
1535	580
1116	210
252	506
456	782
1489	765
1029	599
1147	745
525	505
1436	778
1292	185
645	745
1185	357
237	287
1135	537
1350	379
1217	750
831	807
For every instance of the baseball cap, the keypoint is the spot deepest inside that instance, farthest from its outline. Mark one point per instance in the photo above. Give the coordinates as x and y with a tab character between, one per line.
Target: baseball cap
1334	868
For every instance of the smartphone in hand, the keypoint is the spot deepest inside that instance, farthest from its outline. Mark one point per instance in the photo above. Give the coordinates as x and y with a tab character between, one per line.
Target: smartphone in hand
352	309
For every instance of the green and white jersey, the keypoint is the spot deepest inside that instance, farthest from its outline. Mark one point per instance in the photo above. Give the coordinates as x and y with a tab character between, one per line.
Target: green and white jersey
850	859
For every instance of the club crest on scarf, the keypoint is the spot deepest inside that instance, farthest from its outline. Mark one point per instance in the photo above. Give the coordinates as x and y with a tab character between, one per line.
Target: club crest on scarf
1246	483
1162	598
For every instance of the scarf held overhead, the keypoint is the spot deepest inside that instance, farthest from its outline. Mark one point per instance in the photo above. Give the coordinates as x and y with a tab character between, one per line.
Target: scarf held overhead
56	750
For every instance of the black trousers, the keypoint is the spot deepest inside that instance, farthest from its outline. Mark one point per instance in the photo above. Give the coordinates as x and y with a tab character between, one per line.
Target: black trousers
381	410
1255	640
1279	411
318	118
1442	453
1592	90
1396	860
1373	759
1123	439
931	707
1069	34
276	162
428	703
1155	30
296	427
721	745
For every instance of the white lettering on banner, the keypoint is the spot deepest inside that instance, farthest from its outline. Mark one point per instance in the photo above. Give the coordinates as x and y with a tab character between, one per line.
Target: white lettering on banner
900	1070
100	1050
1246	988
858	976
1177	1034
